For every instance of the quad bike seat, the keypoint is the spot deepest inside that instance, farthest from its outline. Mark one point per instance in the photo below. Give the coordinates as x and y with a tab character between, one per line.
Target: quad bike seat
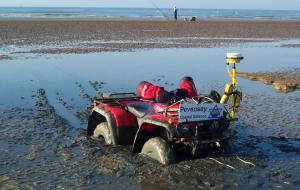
140	109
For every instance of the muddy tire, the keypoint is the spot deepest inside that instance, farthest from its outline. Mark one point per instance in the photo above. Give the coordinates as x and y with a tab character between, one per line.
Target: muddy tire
158	149
102	131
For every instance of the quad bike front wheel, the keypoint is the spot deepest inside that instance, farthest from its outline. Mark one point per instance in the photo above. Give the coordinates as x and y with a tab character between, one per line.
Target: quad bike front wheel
158	149
226	146
102	130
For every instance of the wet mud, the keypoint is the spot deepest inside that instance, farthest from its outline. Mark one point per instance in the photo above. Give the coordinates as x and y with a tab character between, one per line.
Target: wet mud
57	37
144	44
291	45
283	81
40	149
271	116
5	57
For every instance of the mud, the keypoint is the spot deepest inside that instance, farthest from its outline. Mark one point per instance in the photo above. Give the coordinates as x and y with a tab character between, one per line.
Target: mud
5	57
283	81
291	45
57	37
83	48
272	116
41	32
40	149
131	46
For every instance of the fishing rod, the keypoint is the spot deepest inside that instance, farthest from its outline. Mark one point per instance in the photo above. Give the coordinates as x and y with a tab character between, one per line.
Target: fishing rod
161	12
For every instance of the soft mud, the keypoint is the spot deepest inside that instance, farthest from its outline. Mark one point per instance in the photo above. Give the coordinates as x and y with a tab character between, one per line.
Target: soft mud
291	45
40	149
84	47
5	57
284	81
271	116
58	36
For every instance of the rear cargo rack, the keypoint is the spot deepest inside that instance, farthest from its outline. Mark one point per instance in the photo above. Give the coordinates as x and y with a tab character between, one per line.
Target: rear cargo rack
113	97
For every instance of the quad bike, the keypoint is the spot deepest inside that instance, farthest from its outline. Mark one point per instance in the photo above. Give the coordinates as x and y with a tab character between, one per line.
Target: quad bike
158	130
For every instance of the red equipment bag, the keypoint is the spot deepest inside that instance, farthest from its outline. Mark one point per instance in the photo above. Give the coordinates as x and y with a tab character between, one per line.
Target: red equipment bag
187	83
149	91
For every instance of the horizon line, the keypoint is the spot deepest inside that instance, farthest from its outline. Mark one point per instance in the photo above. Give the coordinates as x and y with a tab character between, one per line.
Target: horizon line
148	8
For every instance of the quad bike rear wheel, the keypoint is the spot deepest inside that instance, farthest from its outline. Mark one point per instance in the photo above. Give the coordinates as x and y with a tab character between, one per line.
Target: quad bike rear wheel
158	149
102	130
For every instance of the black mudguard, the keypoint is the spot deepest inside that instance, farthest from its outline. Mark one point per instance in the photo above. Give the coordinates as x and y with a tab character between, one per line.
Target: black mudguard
141	138
99	115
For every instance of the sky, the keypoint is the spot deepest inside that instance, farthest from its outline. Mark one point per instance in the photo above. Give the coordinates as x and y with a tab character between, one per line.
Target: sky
216	4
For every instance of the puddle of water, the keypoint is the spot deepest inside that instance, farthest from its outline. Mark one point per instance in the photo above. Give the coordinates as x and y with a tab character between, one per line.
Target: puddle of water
122	71
207	65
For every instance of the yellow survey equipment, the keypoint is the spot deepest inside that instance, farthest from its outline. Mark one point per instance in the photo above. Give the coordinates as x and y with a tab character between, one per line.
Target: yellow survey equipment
231	88
228	91
233	58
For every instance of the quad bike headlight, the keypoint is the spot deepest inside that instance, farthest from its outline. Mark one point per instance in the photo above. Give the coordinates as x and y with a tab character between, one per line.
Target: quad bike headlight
184	129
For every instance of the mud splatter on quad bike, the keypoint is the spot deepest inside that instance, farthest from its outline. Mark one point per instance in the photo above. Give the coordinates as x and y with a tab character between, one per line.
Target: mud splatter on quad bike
158	130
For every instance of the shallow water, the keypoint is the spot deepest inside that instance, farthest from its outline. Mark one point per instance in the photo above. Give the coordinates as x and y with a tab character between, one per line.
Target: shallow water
45	131
207	65
143	13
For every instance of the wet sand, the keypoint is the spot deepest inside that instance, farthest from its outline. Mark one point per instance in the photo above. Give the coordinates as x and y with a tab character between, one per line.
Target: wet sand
291	45
5	57
52	36
282	81
40	149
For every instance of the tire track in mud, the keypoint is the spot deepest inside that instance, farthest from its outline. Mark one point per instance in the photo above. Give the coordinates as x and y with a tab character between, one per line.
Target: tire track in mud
272	116
39	149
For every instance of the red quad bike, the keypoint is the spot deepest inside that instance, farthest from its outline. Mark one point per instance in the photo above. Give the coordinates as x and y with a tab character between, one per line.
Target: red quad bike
158	130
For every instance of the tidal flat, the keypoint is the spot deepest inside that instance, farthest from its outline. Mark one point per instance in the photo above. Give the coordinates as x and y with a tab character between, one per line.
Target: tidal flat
46	99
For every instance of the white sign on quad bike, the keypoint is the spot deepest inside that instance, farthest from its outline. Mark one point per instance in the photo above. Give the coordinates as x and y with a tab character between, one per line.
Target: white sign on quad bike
200	112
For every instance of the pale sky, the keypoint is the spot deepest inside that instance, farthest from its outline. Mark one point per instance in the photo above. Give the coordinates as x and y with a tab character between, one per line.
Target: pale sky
216	4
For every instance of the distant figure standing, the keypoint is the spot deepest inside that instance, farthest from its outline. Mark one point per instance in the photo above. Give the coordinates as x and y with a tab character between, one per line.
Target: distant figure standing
175	13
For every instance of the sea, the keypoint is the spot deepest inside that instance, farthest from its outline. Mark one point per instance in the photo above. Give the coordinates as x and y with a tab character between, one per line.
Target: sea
143	13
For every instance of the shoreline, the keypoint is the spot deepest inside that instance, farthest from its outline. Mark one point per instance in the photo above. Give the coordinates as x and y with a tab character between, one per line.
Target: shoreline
158	18
145	13
181	19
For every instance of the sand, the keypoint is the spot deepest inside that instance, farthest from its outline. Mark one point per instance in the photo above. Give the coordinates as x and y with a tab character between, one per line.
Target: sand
282	81
291	45
50	36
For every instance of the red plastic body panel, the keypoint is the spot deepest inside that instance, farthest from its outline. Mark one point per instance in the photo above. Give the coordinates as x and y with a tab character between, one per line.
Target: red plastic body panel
121	115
